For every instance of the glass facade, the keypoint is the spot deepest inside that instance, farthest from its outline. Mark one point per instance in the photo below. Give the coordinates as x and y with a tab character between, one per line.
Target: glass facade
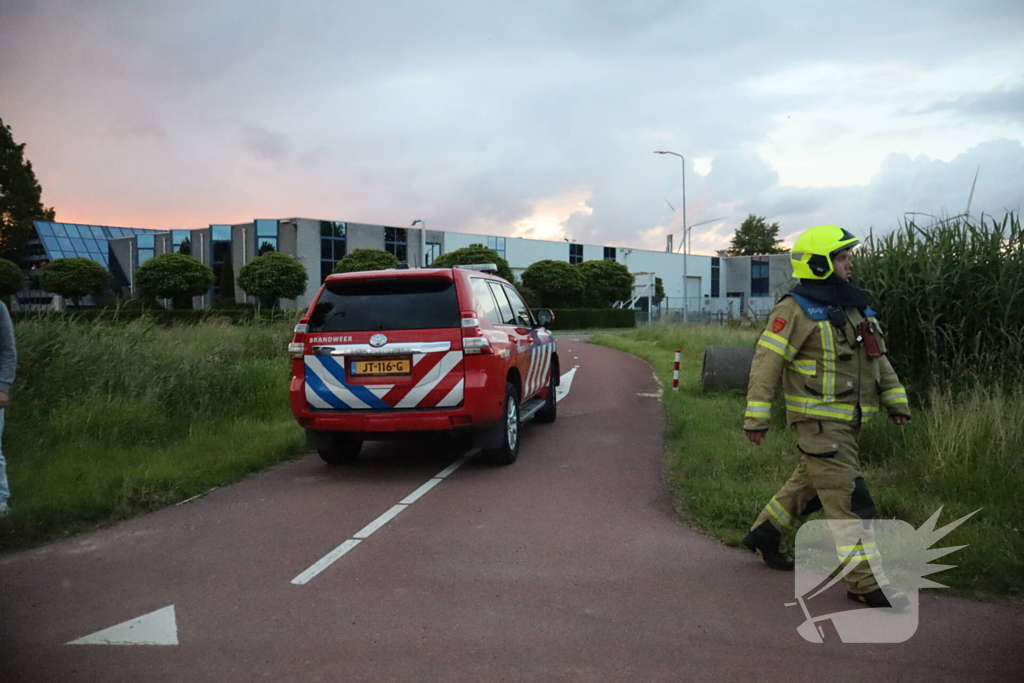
433	251
716	275
575	253
266	236
70	240
145	248
758	277
333	246
181	242
497	244
396	242
609	253
220	253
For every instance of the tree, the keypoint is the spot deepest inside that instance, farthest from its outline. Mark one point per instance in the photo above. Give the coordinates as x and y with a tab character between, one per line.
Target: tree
556	284
605	283
74	278
273	276
174	276
20	196
366	259
475	253
11	279
755	236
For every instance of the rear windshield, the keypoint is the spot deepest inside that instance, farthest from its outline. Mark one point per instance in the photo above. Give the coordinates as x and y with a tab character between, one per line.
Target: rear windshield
386	304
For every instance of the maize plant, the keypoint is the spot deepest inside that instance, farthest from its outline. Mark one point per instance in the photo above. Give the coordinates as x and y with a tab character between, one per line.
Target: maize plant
951	299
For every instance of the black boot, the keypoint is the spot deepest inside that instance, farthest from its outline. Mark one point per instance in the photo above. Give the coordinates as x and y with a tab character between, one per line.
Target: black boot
896	599
765	540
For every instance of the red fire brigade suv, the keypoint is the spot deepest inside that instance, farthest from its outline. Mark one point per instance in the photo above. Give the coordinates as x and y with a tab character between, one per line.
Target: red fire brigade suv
389	353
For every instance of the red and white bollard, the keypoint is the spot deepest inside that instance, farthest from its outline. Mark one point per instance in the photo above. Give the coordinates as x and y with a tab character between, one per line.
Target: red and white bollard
675	371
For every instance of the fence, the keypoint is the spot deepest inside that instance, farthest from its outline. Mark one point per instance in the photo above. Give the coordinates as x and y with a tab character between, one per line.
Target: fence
706	310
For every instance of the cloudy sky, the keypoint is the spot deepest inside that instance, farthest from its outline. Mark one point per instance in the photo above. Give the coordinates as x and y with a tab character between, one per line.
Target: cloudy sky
518	118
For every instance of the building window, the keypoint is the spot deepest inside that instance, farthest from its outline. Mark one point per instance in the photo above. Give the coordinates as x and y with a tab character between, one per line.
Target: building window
145	248
716	269
433	251
575	253
266	236
395	242
497	244
181	242
220	254
333	245
609	253
758	277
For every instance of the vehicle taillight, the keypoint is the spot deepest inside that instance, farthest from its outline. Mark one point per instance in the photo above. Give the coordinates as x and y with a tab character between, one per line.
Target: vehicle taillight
297	347
473	340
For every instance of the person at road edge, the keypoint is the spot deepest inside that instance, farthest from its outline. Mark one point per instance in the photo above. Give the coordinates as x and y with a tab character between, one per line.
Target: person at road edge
825	344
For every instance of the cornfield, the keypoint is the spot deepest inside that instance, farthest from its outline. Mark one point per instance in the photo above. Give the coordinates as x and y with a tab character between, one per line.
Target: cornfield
951	300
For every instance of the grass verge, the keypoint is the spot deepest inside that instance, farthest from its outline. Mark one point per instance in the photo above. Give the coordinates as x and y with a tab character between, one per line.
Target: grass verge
107	422
962	452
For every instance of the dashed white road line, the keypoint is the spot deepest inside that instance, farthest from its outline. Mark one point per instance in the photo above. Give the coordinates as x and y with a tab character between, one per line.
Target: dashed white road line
364	533
565	383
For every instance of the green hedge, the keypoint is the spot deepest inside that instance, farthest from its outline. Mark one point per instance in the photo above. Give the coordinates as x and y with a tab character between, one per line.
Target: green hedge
237	316
597	318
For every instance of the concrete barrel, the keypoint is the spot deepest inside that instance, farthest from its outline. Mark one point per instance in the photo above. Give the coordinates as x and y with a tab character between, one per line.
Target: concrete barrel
725	367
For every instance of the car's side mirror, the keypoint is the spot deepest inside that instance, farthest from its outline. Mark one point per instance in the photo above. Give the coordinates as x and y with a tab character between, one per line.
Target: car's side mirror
545	316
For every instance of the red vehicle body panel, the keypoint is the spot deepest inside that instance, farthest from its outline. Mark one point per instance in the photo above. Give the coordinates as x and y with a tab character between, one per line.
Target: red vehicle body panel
448	389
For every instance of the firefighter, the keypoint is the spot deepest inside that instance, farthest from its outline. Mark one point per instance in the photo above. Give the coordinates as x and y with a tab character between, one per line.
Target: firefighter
824	342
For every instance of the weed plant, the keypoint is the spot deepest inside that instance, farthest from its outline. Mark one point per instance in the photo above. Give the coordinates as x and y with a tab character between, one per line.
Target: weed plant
110	420
962	452
951	296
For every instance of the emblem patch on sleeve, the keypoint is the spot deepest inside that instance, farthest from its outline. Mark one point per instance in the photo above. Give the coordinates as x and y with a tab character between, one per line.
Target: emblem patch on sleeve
778	325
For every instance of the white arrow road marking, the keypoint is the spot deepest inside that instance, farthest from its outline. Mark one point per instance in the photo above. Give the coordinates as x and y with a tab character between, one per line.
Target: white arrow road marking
564	384
155	628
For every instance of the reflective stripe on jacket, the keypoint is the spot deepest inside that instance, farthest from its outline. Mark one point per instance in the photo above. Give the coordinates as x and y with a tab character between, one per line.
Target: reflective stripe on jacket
826	374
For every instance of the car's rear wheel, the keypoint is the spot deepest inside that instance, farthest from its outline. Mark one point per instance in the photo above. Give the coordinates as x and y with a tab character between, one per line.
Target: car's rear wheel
344	449
550	410
508	451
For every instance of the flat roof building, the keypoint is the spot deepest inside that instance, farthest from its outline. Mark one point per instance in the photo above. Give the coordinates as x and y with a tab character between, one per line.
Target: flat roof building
703	284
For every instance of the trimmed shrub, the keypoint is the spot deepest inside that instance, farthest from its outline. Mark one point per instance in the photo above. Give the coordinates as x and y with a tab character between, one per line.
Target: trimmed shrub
174	276
366	259
606	283
11	278
273	276
554	283
74	278
475	253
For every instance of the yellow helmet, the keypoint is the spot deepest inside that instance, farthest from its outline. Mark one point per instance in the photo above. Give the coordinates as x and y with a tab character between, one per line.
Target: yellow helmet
814	249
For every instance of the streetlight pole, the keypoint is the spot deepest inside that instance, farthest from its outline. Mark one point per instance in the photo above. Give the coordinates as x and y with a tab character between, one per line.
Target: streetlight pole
686	247
423	241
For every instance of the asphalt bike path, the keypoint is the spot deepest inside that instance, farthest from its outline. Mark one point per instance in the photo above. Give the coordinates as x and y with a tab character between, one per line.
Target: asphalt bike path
571	564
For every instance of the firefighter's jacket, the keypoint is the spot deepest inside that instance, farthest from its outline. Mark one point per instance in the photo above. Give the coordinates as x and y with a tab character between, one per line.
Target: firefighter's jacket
826	372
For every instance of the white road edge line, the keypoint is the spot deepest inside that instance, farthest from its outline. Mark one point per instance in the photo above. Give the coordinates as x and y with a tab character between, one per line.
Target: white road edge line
331	557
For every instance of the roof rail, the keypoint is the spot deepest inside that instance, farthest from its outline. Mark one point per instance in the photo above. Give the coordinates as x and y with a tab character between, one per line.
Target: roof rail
477	266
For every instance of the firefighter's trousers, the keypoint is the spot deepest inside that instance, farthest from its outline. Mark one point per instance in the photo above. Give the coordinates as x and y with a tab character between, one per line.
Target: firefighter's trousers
828	478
